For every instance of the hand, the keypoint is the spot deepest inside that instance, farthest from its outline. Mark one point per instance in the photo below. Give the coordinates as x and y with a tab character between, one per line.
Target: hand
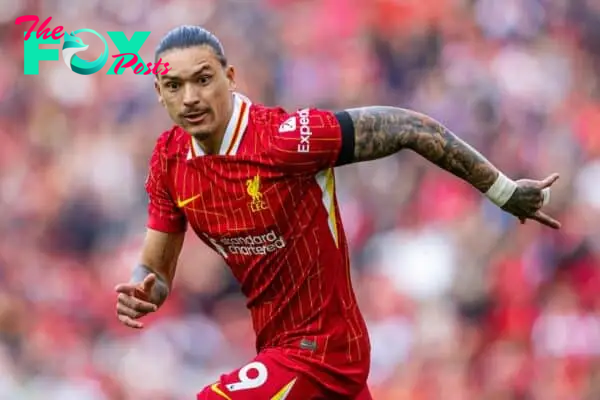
527	201
134	301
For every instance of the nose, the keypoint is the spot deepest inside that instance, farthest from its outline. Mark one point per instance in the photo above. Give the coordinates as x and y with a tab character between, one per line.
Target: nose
191	96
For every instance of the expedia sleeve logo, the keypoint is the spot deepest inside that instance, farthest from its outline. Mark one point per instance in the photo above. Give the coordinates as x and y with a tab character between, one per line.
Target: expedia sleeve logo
305	131
299	123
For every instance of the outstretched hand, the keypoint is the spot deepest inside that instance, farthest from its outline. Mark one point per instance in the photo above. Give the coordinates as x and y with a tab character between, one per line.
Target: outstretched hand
529	198
134	301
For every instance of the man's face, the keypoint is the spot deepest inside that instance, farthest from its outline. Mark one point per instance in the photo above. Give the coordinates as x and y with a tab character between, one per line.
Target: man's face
196	91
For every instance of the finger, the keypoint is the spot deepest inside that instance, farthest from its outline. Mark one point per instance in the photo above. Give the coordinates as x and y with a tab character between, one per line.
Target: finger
122	309
136	304
126	288
148	283
549	181
127	321
545	219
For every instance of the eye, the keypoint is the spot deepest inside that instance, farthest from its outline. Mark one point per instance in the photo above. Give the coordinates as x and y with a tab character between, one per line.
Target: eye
205	79
172	85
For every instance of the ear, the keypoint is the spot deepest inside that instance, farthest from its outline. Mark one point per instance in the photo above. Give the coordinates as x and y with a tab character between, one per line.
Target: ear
230	73
157	88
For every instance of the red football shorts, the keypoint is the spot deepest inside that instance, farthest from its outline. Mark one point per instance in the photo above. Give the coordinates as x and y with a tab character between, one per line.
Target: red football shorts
266	379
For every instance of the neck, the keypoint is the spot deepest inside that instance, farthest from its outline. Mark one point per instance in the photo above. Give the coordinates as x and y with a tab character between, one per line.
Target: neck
211	144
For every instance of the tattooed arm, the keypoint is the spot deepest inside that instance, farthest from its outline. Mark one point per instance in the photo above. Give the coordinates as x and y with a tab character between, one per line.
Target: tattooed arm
382	131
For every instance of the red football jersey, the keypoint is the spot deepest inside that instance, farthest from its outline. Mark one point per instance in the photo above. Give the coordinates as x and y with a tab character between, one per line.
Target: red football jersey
267	204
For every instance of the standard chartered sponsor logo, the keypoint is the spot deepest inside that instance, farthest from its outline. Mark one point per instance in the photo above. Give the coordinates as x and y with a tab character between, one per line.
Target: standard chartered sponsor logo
249	245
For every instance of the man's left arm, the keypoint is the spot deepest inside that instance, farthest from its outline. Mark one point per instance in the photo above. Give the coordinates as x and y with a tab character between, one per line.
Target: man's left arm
381	131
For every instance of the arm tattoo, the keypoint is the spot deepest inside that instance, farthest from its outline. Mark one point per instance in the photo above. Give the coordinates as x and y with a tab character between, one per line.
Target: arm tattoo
382	131
160	291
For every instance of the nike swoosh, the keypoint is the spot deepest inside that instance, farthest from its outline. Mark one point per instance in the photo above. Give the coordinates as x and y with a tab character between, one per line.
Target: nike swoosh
183	203
215	388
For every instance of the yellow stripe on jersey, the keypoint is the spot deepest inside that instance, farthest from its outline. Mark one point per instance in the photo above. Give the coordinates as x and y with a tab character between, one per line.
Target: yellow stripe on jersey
285	391
332	216
325	180
193	152
215	388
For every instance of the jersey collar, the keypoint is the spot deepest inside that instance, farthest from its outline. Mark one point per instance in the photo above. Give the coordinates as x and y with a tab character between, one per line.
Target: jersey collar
234	132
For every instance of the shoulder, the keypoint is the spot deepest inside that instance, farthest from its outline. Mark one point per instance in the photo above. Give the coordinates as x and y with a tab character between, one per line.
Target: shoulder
275	123
281	120
264	117
263	123
171	143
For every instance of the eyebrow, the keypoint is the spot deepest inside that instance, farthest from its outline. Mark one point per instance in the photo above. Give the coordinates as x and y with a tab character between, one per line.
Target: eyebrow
203	68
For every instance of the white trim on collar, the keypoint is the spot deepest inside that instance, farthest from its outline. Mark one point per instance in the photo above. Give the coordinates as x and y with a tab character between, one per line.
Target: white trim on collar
233	133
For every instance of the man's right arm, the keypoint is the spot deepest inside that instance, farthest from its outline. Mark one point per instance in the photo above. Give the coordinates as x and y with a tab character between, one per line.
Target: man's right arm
152	278
165	229
159	256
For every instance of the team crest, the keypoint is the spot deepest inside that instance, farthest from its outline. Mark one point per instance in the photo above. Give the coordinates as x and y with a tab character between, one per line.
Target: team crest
253	188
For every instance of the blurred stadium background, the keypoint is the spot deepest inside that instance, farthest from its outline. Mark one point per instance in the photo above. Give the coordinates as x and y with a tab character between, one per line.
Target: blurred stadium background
461	301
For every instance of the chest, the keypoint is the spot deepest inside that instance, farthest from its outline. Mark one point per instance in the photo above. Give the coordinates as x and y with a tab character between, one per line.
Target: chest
233	197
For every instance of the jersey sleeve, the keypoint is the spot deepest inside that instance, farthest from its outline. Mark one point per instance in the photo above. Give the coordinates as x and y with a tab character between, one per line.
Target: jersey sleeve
311	140
163	213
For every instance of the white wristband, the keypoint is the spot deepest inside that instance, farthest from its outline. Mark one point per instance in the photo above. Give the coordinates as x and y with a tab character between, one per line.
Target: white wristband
546	194
501	190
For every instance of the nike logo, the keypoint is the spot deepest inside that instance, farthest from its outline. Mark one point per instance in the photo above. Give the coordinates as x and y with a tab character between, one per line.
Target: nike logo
183	203
215	388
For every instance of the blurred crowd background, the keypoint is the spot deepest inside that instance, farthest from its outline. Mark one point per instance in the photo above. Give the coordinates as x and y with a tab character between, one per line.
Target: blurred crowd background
462	301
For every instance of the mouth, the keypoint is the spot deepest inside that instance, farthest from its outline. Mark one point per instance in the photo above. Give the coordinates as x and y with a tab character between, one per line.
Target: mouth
195	117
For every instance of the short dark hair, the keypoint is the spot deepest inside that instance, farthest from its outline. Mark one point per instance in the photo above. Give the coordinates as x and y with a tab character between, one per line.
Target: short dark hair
186	36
